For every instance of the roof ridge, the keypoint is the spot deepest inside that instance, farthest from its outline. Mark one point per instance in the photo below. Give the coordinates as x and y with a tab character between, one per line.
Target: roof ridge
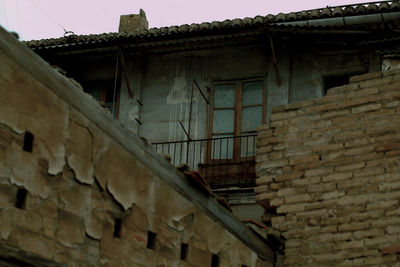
354	4
247	22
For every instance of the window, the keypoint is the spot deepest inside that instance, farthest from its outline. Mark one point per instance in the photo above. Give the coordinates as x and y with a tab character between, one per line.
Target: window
103	91
238	109
336	80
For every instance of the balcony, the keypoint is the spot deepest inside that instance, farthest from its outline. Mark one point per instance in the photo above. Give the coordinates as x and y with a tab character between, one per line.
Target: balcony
223	162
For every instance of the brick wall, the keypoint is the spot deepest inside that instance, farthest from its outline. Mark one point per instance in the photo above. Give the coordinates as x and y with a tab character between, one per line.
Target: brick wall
71	194
331	169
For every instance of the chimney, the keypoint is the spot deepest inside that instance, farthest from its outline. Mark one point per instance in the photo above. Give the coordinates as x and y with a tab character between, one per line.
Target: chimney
133	22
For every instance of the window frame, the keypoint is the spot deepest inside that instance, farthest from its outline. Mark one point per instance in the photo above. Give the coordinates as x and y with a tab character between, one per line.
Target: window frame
238	110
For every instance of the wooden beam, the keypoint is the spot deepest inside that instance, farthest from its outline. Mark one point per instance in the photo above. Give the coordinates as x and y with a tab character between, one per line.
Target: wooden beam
125	71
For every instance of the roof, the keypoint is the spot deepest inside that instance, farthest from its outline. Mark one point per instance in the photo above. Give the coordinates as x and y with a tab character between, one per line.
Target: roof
288	21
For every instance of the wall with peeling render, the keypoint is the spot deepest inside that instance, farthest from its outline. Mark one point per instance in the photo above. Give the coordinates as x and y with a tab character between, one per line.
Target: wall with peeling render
81	182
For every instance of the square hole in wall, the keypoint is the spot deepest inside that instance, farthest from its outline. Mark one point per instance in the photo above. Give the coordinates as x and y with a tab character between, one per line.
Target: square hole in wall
336	80
184	251
21	198
117	227
151	239
28	142
214	260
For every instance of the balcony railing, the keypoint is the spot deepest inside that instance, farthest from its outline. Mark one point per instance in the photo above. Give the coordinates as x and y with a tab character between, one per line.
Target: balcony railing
222	161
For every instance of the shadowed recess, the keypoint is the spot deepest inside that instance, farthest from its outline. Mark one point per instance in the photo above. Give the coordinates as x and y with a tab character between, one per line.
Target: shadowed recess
28	142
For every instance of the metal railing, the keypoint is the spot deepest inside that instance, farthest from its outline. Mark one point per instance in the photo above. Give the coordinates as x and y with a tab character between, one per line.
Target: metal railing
222	161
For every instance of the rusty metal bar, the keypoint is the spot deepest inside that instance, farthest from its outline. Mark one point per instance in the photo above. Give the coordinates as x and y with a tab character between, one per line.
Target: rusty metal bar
204	139
187	134
227	153
216	166
115	86
194	156
124	70
138	121
201	92
206	153
180	156
190	112
247	153
174	154
274	61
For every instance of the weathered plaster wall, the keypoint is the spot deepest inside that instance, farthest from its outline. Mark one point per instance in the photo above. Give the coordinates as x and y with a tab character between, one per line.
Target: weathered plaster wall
163	83
81	180
330	168
166	94
167	88
167	81
311	66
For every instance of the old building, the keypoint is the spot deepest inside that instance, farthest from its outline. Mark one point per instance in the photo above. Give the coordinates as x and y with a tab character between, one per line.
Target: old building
198	93
78	189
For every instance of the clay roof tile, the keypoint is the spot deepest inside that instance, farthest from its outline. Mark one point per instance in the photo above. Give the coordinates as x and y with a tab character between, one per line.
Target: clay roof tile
352	10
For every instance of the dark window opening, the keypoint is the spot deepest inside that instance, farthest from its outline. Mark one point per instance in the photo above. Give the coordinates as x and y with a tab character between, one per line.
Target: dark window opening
21	198
151	239
28	142
215	260
334	81
106	92
184	251
117	227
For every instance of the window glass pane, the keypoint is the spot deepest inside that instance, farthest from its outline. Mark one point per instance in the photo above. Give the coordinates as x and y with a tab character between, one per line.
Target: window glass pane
222	148
248	145
252	93
251	118
223	121
224	96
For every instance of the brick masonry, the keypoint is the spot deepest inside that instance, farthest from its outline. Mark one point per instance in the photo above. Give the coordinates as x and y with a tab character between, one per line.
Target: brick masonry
331	169
70	195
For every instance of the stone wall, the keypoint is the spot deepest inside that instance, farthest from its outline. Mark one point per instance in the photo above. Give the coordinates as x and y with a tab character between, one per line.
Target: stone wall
330	169
73	194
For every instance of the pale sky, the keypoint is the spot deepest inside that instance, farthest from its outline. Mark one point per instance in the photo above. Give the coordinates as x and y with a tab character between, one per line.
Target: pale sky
39	19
